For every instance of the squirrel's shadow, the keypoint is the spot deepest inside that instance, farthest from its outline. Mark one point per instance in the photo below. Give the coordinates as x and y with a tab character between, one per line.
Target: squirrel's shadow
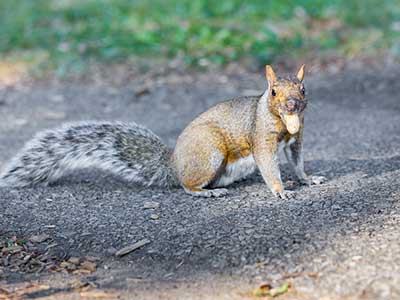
331	169
334	169
214	234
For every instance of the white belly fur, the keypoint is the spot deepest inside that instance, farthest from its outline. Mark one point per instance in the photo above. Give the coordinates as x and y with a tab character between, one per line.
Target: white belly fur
237	170
243	167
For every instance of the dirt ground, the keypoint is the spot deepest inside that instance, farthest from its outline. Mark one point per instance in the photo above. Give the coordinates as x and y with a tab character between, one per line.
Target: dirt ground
339	240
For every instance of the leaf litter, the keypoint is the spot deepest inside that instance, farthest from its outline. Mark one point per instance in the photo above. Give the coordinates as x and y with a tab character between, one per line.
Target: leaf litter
265	290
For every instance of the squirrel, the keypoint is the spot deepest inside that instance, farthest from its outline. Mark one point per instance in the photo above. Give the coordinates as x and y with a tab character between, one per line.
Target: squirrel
222	145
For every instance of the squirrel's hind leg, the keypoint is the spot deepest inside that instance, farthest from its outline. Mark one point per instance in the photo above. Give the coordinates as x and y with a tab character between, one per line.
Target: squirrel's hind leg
199	162
201	186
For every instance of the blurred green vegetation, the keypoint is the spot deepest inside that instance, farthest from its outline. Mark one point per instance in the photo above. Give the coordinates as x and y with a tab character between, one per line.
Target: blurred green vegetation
64	34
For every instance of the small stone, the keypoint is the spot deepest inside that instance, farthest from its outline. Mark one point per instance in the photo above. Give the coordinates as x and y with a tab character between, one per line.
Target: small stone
39	238
111	251
150	205
154	216
249	231
142	91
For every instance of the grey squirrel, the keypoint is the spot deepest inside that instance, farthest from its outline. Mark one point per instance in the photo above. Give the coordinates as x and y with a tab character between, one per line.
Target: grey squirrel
222	145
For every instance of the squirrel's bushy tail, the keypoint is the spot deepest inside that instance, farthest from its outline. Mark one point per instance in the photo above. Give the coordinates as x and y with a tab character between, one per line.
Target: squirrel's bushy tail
127	150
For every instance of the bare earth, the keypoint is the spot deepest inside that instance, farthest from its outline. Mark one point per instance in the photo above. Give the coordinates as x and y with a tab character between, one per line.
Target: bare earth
339	240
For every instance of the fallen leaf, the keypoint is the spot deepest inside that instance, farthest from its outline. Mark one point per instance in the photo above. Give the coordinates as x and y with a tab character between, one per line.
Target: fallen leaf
298	274
68	266
265	290
83	286
261	264
262	290
81	272
74	260
4	290
30	289
89	266
92	258
131	248
312	274
279	290
134	279
12	249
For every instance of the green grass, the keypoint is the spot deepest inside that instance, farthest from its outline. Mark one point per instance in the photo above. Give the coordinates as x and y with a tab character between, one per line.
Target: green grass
66	34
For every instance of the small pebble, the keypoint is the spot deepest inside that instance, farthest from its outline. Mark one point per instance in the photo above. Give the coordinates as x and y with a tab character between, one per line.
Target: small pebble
154	216
39	238
151	204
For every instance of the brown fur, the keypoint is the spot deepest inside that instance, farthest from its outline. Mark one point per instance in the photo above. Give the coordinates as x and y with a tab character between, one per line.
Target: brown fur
235	129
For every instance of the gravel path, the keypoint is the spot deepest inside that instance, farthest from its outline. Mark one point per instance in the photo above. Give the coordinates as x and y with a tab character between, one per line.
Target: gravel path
339	240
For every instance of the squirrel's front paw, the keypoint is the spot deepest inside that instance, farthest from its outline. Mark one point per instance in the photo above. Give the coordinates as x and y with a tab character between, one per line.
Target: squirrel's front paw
279	191
284	194
314	180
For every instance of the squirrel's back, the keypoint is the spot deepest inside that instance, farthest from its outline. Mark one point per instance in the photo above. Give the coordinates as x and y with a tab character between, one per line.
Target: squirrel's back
127	150
235	116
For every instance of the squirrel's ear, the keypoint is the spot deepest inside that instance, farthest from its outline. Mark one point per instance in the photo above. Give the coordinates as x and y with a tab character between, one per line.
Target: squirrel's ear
300	73
270	75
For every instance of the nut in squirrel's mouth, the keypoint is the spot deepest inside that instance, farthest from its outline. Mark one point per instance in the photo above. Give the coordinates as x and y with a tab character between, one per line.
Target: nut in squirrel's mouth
292	122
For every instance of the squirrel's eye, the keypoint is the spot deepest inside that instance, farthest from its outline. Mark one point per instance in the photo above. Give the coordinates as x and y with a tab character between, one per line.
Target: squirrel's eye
273	93
303	91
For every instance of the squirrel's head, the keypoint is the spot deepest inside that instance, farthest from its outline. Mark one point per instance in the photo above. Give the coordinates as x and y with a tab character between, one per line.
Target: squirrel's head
286	98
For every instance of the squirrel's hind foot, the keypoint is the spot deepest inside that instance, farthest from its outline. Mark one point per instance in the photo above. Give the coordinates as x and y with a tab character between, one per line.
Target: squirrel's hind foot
207	193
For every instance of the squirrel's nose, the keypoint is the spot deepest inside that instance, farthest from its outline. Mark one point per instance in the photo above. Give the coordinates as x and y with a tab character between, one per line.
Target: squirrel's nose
291	105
